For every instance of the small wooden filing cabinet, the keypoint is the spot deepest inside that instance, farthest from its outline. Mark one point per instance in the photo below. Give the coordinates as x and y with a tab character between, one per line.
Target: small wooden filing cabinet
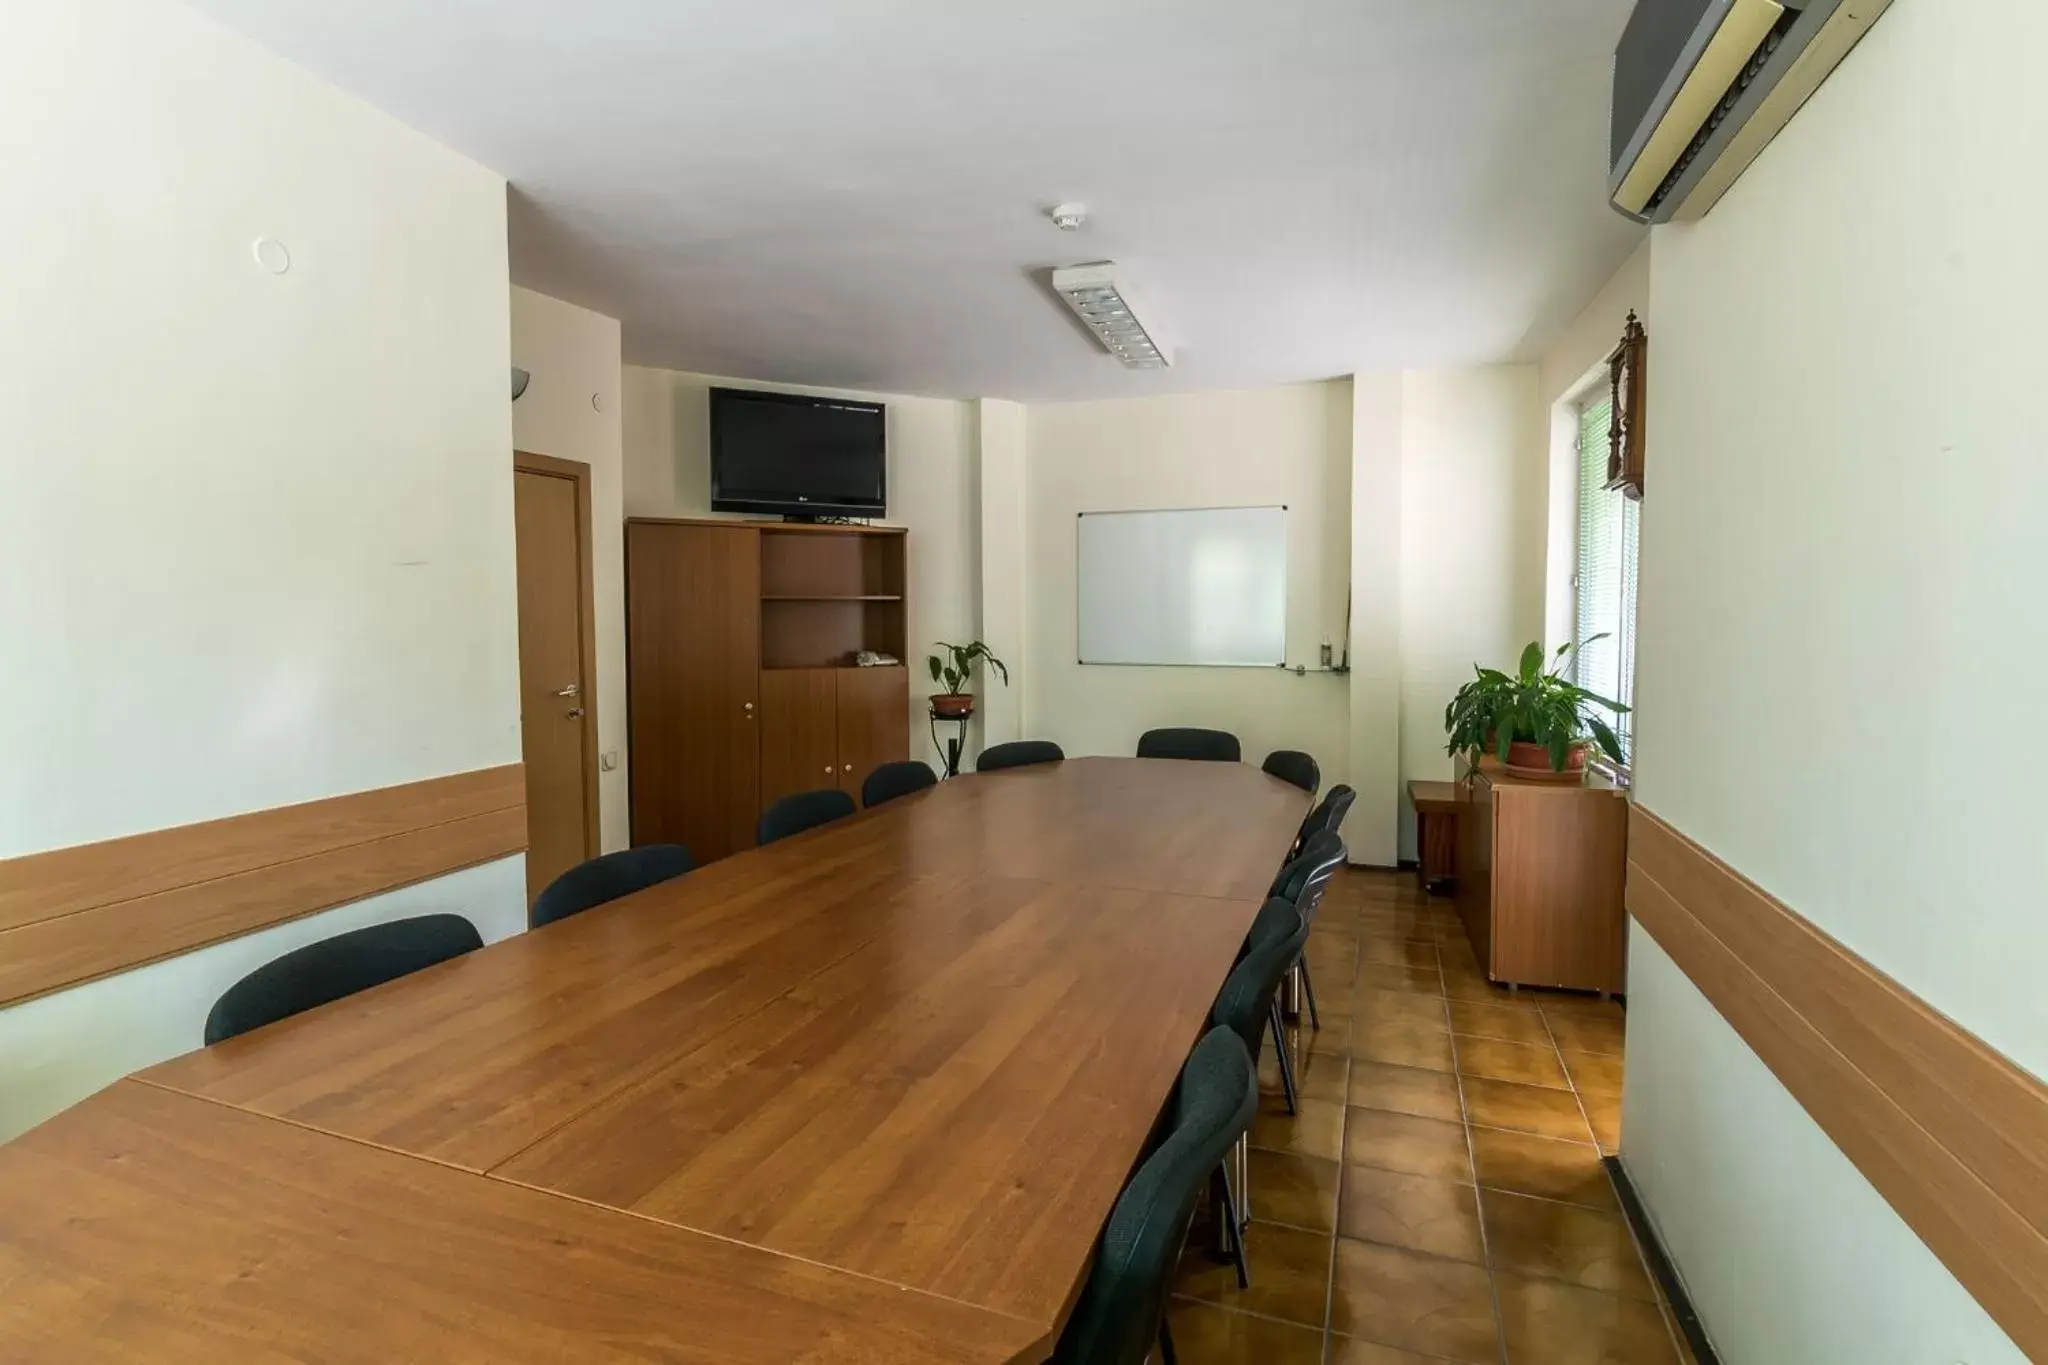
1540	873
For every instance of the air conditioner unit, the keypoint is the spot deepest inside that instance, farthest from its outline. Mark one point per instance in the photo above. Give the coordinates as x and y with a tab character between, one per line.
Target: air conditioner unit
1702	86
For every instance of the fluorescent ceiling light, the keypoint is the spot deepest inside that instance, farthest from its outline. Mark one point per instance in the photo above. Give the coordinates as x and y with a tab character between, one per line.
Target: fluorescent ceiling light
1104	302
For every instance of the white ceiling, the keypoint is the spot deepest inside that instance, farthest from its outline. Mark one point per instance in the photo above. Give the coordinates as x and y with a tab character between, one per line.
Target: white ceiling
851	192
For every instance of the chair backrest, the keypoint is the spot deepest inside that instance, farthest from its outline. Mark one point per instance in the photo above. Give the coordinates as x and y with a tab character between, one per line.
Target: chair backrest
1329	815
337	967
1305	877
805	810
1292	765
1018	753
1276	939
592	883
1116	1320
892	780
1211	746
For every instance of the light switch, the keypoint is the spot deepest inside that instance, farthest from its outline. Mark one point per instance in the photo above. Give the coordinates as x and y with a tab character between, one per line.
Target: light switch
608	761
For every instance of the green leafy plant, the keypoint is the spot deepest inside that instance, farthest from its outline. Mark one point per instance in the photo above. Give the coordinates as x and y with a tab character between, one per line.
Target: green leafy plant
1532	705
954	669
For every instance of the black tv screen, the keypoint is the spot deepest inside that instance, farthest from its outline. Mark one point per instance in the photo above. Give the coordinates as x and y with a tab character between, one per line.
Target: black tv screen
783	453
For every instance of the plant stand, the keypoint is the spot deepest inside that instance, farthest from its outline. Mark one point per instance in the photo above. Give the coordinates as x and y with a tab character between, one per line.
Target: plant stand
949	748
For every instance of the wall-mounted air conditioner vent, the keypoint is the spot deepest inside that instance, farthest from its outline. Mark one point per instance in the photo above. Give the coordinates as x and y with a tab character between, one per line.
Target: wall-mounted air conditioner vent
1702	86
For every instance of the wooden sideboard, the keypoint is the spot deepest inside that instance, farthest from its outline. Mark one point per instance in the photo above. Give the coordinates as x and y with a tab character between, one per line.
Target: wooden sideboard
1541	867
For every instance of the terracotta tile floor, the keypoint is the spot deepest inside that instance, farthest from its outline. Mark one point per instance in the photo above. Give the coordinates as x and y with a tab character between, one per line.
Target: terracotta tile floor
1440	1197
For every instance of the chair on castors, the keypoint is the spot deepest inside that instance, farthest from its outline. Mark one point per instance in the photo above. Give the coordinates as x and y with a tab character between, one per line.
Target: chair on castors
337	967
1292	765
1327	815
805	810
1122	1308
1302	883
1209	746
1018	753
892	780
1249	1006
590	884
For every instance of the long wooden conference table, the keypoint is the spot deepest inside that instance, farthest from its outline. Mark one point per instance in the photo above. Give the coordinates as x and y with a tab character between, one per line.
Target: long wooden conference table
863	1095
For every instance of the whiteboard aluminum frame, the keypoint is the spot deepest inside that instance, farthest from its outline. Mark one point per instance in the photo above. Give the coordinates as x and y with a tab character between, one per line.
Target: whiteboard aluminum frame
1287	585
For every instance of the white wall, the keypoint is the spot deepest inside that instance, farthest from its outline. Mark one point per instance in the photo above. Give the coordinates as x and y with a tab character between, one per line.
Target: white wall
933	490
1252	447
1842	571
1473	481
570	410
1372	831
1005	601
257	537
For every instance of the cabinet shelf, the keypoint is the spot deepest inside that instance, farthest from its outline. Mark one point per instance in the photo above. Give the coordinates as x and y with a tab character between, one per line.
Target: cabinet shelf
831	597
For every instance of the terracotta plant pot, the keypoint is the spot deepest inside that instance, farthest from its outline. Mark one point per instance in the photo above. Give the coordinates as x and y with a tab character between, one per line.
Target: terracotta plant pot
1531	762
952	705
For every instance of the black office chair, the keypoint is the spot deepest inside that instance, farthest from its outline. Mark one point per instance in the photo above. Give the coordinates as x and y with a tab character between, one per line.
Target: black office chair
1018	753
1249	1006
1302	883
892	780
1292	765
1122	1308
1327	815
337	967
1209	746
590	884
805	810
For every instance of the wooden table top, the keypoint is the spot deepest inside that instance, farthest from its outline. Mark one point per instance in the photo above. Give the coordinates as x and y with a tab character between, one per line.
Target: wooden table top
885	1072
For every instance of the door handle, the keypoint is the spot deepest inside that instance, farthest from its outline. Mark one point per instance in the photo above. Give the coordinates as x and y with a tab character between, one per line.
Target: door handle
572	690
828	770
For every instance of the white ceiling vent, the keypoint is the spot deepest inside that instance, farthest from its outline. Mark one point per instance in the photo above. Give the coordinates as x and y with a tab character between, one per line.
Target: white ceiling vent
1102	299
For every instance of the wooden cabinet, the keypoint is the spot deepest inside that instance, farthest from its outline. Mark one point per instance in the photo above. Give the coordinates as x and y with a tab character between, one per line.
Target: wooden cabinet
1540	873
829	727
873	707
693	644
741	685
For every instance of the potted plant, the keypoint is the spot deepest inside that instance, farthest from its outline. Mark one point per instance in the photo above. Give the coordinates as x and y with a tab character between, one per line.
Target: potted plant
953	670
1537	721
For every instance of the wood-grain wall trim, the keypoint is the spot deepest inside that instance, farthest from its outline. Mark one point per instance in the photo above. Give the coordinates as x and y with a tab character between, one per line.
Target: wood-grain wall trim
1952	1133
73	914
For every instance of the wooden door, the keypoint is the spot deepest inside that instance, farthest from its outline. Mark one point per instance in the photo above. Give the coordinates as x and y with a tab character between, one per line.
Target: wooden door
874	721
693	641
799	732
558	737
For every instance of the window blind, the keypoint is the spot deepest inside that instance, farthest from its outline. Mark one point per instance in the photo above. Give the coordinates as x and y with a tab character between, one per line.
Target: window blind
1605	580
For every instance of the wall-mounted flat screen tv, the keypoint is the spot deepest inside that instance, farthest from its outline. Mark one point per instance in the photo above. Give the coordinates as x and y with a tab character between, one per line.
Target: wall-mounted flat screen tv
782	453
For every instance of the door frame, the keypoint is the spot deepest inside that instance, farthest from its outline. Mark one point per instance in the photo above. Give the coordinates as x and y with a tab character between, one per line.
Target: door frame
578	474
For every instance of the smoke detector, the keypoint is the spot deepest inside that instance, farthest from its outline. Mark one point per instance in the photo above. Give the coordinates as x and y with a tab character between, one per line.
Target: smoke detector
1068	217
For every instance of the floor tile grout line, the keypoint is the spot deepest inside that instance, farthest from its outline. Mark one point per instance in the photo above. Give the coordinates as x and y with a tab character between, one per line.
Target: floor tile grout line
1500	1330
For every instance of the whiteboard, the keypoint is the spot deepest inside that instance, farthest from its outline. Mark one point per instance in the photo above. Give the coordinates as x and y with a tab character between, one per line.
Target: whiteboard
1204	586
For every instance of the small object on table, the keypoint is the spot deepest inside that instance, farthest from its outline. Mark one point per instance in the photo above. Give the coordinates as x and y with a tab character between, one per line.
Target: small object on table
949	748
1436	832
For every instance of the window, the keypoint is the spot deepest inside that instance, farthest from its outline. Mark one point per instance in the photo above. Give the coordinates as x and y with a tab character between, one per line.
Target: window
1604	581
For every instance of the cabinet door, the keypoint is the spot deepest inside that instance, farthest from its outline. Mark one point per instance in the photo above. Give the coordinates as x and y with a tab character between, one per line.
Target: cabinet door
874	722
1475	866
693	664
799	732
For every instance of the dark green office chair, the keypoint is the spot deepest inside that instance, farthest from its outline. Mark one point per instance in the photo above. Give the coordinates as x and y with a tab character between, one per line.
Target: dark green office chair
336	967
1122	1308
590	884
1327	815
805	810
1292	765
1302	883
892	780
1018	753
1190	742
